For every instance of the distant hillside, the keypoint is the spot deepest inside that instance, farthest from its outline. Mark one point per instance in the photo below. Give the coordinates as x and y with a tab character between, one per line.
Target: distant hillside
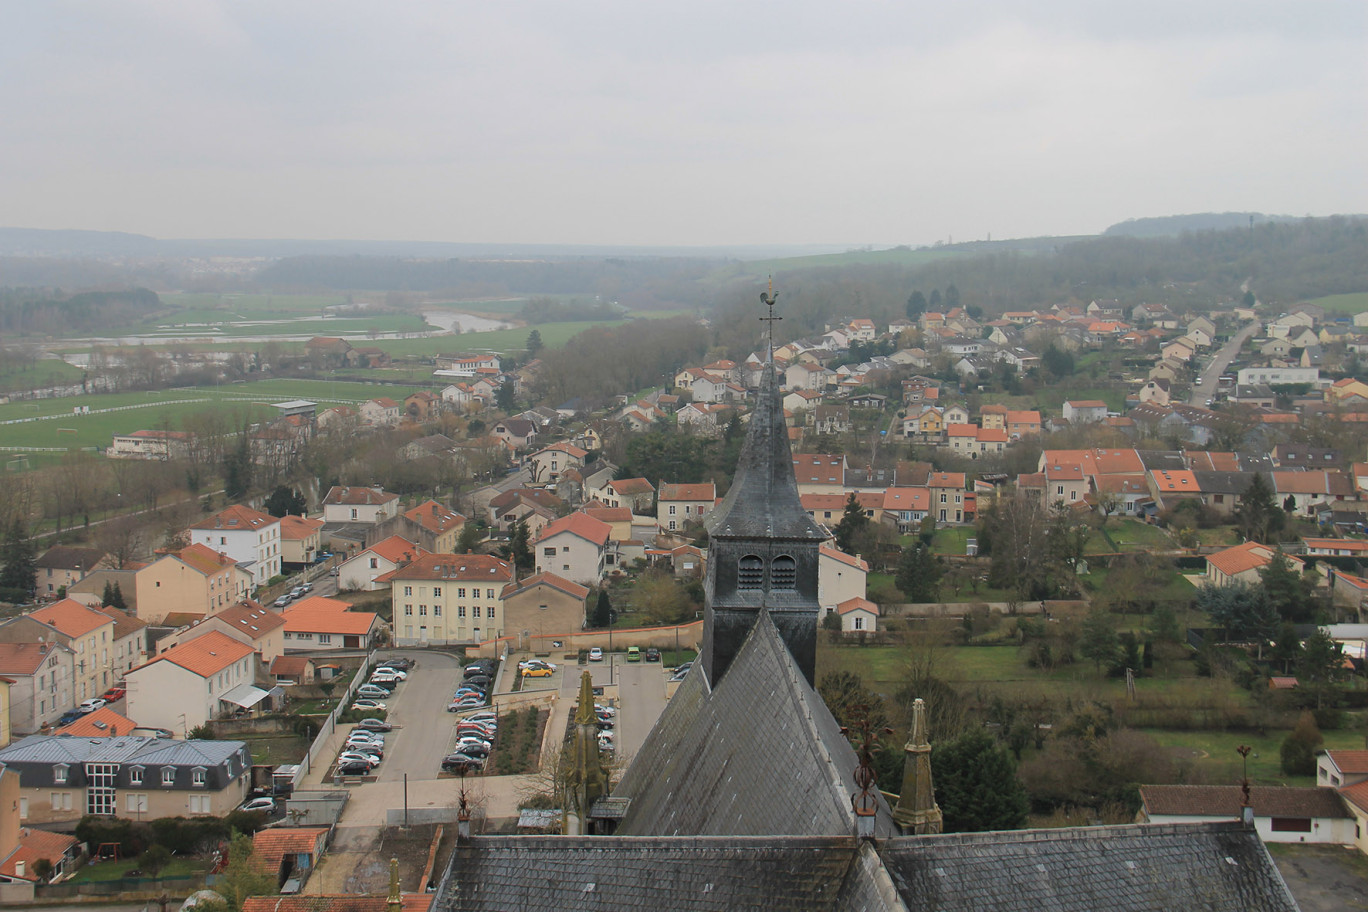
1174	225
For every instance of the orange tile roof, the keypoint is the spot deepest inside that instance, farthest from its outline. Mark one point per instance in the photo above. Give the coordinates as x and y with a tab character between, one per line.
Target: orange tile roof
907	499
849	560
454	567
102	723
33	845
609	514
1356	795
945	480
632	486
272	845
204	655
858	604
203	558
578	524
688	492
548	579
298	528
819	468
357	496
396	549
1175	482
251	619
412	902
1241	558
1115	462
71	617
325	615
434	517
1353	762
24	658
236	518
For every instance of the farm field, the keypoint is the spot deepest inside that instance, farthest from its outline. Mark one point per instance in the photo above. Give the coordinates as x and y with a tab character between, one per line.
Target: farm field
1344	304
43	373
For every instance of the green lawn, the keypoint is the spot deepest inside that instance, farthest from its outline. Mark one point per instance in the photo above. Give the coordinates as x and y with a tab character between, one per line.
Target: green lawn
1138	534
42	373
237	306
951	539
1215	751
502	341
1052	400
104	871
276	749
1347	304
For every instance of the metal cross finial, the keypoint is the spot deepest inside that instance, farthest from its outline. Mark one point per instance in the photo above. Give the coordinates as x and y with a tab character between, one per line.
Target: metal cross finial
770	299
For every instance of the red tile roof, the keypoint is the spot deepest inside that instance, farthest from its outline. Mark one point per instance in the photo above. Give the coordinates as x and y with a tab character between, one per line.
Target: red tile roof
578	524
434	517
1241	558
102	723
24	658
454	567
204	655
298	528
1352	762
1226	801
324	615
857	604
849	560
706	492
33	845
236	518
71	617
203	558
357	496
548	579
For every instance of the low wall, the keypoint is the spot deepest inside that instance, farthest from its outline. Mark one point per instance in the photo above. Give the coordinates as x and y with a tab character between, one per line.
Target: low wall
328	727
685	636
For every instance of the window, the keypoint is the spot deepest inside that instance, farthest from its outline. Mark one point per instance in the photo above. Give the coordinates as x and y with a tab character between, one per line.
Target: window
460	592
672	525
353	513
436	591
942	497
135	775
436	610
672	509
1061	490
408	610
489	593
1291	824
374	563
859	623
422	610
750	572
491	612
325	638
475	612
61	801
783	572
197	777
460	611
59	773
168	775
565	549
135	803
549	552
201	804
408	590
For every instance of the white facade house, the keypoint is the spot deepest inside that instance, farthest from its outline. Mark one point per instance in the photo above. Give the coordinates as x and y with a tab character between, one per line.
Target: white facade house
191	683
840	577
1248	376
248	536
574	547
358	504
1281	814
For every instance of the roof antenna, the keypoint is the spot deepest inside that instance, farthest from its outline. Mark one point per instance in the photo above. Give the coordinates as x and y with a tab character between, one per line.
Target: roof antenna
770	299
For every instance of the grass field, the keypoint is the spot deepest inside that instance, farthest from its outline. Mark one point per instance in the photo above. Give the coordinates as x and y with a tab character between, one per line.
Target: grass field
1138	534
104	871
254	306
1346	304
897	256
47	372
1052	400
147	410
951	540
333	326
1216	749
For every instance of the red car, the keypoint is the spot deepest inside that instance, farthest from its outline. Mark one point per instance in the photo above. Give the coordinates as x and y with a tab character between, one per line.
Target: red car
114	693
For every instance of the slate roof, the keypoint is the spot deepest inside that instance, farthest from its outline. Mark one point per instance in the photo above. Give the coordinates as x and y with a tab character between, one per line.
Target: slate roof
711	766
1136	868
683	875
69	557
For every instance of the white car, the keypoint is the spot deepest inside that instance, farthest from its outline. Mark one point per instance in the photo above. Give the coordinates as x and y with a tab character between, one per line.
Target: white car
389	674
365	704
596	654
259	804
89	706
361	756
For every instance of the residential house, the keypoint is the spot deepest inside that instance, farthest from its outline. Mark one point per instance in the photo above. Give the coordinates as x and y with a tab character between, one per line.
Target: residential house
1129	493
1274	376
62	566
1085	411
1242	563
293	669
680	504
858	615
993	417
925	424
329	352
840	577
196	580
516	433
338	419
289	855
363	571
1169	488
1179	350
324	623
63	779
1156	391
831	419
102	723
1022	423
636	494
1221	491
437	447
949	503
432	526
380	412
534	506
828	509
248	536
299	539
619	520
90	636
546	465
905	508
422	405
576	547
247	622
41	678
130	641
819	473
195	681
448	599
358	504
1306	491
1295	456
544	605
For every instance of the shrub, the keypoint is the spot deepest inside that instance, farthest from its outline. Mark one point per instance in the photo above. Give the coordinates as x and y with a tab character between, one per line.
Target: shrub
1298	752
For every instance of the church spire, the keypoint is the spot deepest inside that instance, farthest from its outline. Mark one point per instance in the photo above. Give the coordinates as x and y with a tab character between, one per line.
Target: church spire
587	780
917	812
763	546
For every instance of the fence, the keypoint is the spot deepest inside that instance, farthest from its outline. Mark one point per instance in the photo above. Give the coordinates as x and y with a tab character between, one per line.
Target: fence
327	728
126	888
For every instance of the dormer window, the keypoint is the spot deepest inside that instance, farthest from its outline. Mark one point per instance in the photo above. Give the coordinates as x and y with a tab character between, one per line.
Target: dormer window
59	773
198	776
135	775
168	776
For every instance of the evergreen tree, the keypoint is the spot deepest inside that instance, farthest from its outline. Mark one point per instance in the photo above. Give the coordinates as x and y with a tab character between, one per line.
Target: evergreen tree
116	598
20	559
237	472
934	302
505	398
472	533
952	297
1288	592
1320	666
107	596
1242	610
603	611
1256	514
534	343
286	501
519	549
852	525
1298	751
1098	640
919	574
1057	362
976	785
916	305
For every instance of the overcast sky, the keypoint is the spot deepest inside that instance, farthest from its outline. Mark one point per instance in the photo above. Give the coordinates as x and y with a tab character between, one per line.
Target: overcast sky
684	123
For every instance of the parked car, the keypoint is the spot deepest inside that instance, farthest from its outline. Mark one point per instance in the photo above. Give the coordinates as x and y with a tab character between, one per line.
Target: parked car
376	725
71	715
400	663
537	671
374	691
461	763
307	587
605	741
488	728
354	768
114	693
473	741
604	710
282	601
488	714
89	706
480	681
634	653
596	654
478	668
371	705
259	804
352	756
652	654
468	692
394	674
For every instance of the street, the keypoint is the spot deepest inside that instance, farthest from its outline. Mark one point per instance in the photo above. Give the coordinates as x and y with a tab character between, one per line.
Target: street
1206	390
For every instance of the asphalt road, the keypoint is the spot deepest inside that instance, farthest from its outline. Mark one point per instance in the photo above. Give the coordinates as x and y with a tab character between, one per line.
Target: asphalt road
1211	374
641	692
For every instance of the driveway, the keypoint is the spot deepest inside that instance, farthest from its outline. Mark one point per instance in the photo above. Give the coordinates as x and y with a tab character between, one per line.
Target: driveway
1220	361
1323	878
